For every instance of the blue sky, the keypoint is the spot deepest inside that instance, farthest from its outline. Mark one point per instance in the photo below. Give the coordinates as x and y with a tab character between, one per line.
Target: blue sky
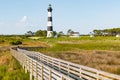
20	16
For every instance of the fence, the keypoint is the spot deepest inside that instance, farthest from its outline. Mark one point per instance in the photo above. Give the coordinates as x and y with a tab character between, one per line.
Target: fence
43	67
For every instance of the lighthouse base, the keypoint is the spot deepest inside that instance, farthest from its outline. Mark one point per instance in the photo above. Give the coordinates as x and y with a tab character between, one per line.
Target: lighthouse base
50	34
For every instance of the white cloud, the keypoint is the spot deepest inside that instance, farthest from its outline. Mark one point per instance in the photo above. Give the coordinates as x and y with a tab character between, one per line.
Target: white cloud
24	19
23	25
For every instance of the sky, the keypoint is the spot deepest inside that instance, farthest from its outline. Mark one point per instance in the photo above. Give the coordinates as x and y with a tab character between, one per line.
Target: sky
83	16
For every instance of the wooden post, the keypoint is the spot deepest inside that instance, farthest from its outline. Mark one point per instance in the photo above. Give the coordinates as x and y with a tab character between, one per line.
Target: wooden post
26	69
47	61
52	62
97	76
30	76
59	66
36	71
26	65
23	66
62	78
68	70
42	71
39	57
50	75
80	72
31	72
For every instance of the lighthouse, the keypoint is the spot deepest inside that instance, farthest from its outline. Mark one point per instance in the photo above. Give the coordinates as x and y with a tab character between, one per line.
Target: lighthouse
49	24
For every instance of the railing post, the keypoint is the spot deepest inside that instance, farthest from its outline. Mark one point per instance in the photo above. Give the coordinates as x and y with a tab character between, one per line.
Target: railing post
39	57
52	62
31	71
50	75
23	66
36	71
59	66
42	72
30	76
80	72
97	76
62	78
26	65
68	69
47	61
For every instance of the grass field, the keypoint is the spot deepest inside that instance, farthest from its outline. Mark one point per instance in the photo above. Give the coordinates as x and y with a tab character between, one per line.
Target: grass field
10	69
102	53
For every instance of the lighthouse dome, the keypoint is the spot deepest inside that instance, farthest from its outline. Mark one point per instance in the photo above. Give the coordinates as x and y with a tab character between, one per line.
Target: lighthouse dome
50	8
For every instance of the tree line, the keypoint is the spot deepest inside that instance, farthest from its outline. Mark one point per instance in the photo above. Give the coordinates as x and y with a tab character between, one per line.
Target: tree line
96	32
41	33
37	33
107	32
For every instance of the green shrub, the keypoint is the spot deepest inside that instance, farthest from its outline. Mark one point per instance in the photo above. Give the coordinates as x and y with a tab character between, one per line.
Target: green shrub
16	42
2	41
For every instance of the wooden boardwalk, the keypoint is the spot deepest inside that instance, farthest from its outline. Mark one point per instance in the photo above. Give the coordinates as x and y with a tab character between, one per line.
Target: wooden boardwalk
42	67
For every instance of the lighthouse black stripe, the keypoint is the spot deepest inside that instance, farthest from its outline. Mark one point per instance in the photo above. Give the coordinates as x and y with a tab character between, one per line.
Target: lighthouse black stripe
49	28
49	24
49	9
50	19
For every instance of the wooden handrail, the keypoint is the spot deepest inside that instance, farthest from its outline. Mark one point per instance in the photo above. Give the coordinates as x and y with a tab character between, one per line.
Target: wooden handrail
36	68
53	67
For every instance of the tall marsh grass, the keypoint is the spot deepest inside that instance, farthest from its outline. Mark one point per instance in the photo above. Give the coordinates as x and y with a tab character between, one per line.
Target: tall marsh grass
102	53
10	69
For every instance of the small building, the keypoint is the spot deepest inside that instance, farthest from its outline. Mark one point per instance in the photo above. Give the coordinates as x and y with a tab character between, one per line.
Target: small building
75	34
91	34
118	35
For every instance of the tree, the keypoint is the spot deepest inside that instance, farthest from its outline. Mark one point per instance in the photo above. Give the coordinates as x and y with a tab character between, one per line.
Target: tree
30	33
42	33
60	33
69	32
54	33
98	32
109	32
16	42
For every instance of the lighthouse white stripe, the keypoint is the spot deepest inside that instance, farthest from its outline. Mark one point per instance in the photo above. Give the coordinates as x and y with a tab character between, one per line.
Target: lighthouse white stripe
49	14
49	33
49	24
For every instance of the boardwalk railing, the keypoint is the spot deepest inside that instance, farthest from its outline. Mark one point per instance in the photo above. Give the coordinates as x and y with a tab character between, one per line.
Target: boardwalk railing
43	67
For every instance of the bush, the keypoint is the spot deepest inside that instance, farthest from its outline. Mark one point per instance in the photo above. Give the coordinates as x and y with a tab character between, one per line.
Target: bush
16	42
2	41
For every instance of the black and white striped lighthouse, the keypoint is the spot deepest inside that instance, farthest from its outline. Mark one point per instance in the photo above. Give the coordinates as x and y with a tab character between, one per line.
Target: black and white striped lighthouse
49	24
